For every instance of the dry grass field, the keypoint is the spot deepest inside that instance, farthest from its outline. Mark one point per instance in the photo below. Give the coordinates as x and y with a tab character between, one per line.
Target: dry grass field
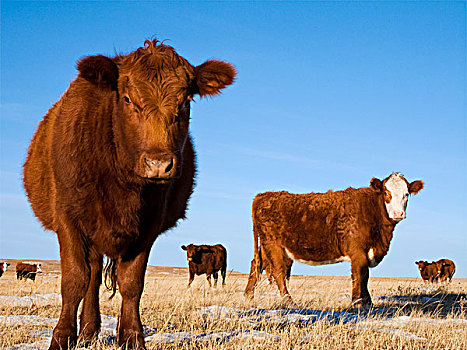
408	313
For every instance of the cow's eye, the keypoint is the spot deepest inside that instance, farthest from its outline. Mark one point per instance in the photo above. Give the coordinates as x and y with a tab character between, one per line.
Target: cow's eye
127	100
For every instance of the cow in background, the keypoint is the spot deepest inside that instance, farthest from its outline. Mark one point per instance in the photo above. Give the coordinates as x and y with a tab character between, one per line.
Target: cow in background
27	270
428	271
353	225
3	268
446	269
208	259
110	168
266	266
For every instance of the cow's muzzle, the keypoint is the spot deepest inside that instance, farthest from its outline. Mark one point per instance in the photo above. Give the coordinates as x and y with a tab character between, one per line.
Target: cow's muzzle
165	168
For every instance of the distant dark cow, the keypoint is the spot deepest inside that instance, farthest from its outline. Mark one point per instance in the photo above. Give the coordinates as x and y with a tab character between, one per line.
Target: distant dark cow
27	270
3	268
446	269
353	225
111	167
428	271
208	259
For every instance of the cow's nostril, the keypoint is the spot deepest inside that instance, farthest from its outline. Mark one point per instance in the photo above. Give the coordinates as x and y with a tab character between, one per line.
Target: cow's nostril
169	165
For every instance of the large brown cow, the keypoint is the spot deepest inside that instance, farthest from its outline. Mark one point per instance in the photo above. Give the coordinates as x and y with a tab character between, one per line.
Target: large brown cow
110	167
353	225
428	271
3	267
208	259
446	269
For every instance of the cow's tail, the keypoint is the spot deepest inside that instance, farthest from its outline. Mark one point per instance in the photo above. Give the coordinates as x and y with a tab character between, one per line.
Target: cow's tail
110	276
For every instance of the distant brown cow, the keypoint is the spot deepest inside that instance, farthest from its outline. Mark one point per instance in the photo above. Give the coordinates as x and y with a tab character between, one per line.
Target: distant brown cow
208	259
446	269
3	268
111	167
428	271
27	270
353	225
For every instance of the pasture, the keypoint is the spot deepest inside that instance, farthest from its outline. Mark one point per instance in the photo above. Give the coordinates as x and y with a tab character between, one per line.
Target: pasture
408	313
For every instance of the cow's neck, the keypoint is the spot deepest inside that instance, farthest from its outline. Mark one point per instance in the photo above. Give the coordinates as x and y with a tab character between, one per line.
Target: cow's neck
383	230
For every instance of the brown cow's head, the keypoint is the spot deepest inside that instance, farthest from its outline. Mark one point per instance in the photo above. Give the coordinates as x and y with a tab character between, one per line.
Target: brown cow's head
421	264
396	189
194	252
155	87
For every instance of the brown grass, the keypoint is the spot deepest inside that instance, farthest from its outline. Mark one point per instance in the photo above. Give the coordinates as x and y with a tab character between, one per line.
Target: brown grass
168	306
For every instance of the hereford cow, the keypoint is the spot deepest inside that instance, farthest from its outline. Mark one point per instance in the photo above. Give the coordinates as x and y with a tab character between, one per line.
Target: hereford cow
3	268
446	269
208	259
111	167
428	271
27	270
353	225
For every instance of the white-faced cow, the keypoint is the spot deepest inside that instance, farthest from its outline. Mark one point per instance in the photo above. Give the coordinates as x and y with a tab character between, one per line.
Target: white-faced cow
353	225
206	259
3	267
27	270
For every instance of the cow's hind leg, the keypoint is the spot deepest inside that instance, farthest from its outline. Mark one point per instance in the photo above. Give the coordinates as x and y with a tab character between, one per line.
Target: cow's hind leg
130	277
279	270
90	319
252	279
74	283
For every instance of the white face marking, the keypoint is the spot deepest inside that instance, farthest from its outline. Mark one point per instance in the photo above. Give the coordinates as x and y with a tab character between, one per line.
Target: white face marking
397	188
39	268
317	263
5	267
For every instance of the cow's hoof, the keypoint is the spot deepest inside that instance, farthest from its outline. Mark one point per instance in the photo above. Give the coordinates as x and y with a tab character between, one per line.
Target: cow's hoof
88	335
62	340
362	304
130	339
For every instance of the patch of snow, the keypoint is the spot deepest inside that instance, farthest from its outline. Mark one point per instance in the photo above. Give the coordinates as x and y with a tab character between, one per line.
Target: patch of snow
280	316
163	273
28	300
397	332
404	320
220	336
29	320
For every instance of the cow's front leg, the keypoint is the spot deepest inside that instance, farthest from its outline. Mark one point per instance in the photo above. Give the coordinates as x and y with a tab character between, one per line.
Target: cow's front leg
74	283
130	277
192	277
90	319
215	275
208	277
360	275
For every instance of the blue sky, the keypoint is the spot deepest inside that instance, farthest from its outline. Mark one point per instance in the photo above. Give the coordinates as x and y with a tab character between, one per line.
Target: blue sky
328	95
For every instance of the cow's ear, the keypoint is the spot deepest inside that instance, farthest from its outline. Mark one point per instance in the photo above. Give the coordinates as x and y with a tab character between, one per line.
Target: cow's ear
183	247
416	186
99	70
376	184
212	76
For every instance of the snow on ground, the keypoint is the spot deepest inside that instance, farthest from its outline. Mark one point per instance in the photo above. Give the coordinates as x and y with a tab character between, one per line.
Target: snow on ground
390	325
28	300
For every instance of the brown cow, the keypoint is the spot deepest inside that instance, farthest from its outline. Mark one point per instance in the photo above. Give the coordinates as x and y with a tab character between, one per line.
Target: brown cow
3	267
208	259
428	271
446	269
111	167
353	225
